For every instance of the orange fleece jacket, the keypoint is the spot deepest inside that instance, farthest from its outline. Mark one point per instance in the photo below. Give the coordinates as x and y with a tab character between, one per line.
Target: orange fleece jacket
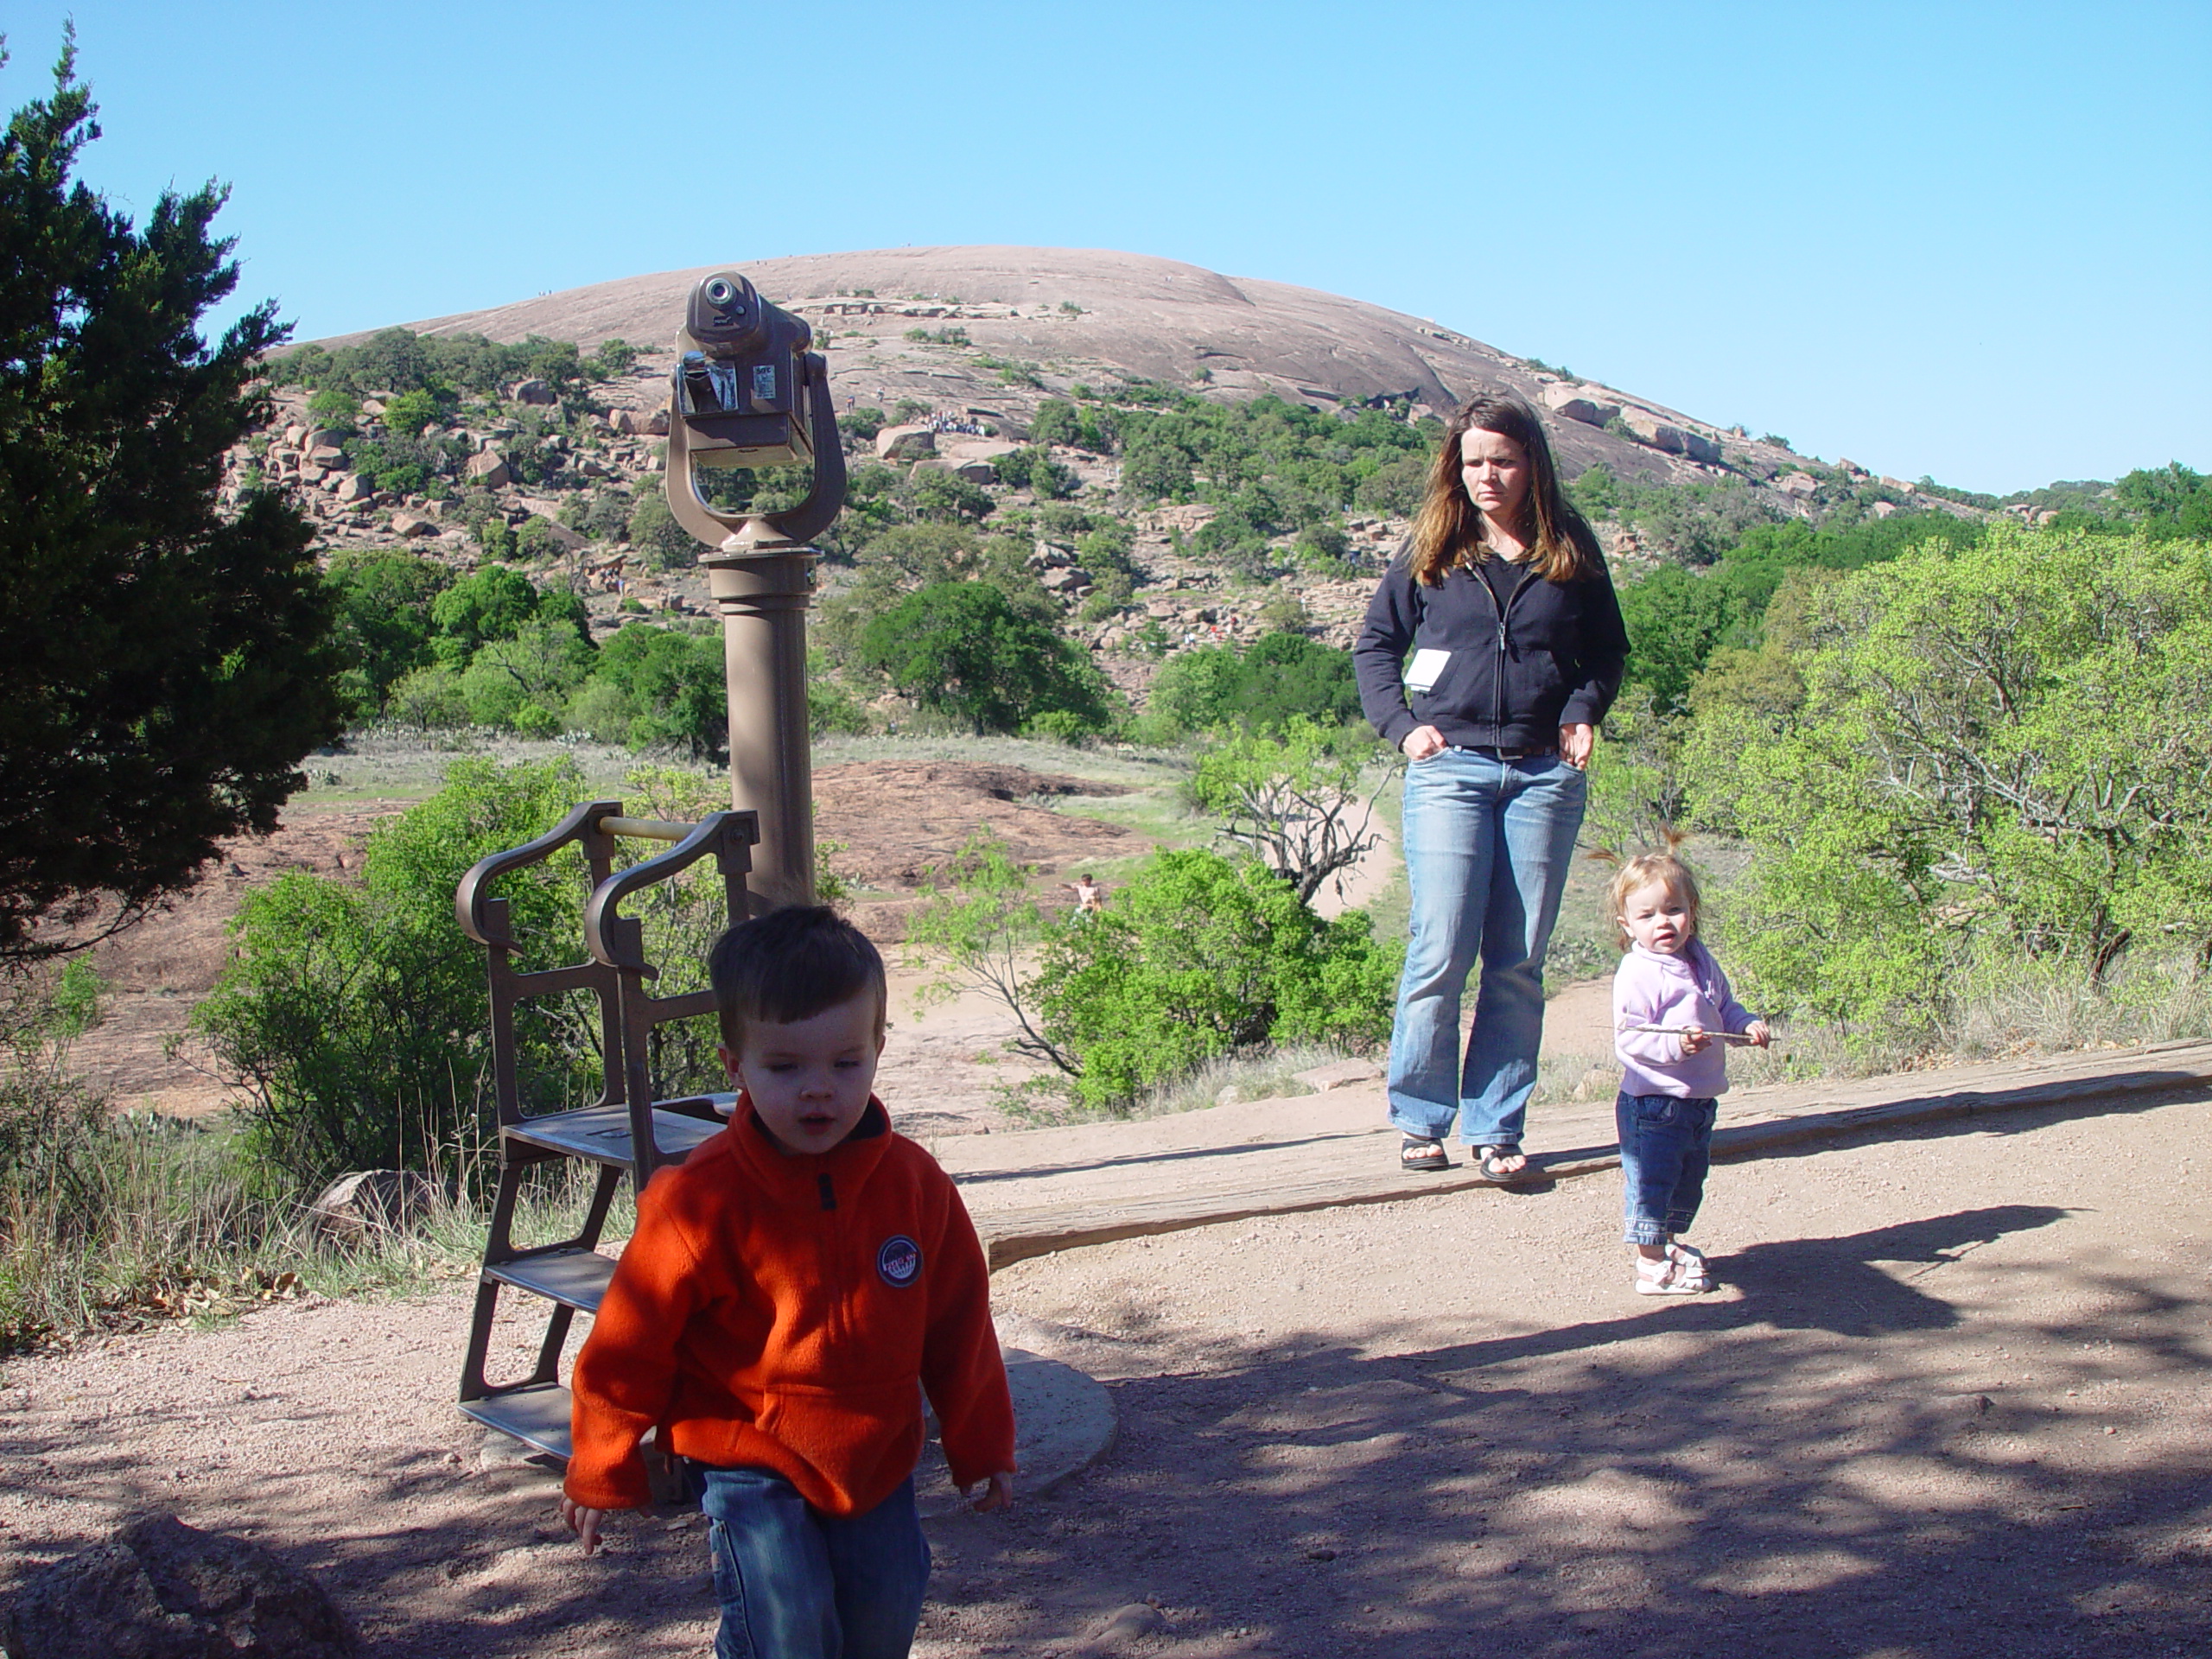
775	1312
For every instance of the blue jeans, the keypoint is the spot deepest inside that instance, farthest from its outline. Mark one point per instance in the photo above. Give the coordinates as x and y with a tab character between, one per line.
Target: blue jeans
795	1583
1666	1147
1488	844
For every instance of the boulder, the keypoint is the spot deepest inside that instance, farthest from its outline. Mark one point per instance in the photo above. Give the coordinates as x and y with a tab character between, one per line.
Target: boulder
977	471
905	443
1884	509
1583	403
354	488
591	467
360	1205
976	448
1061	581
533	391
1667	436
1339	1074
564	538
159	1589
311	474
628	422
413	524
295	436
1799	485
657	424
487	470
326	456
323	438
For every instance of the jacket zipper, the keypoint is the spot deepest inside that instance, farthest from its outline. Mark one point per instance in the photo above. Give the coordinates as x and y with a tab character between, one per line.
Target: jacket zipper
1504	611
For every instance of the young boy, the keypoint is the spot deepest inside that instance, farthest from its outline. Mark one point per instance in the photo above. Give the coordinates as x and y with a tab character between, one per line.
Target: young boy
786	1289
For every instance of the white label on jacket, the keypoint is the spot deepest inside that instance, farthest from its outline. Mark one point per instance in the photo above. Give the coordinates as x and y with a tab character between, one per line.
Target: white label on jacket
1427	669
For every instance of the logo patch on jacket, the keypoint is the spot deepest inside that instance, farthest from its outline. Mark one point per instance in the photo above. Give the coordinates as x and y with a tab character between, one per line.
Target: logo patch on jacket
899	1261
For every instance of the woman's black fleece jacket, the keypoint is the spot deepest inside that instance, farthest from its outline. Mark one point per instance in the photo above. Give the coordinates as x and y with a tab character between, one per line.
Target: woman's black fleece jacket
1553	657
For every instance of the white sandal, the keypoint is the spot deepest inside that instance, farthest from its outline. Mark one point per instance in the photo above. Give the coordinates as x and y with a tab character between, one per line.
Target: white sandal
1689	1255
1669	1277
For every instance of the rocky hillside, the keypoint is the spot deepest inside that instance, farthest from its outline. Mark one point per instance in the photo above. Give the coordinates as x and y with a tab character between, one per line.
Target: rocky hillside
1069	317
967	344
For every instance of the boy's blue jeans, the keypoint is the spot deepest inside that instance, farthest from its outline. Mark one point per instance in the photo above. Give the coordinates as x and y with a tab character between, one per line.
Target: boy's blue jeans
1488	844
795	1583
1666	1147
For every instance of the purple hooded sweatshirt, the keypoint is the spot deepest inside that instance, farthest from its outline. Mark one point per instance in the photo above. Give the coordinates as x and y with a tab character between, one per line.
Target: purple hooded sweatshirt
1688	989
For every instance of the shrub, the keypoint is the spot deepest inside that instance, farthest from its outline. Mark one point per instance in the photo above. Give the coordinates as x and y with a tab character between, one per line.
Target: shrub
355	1016
336	409
1197	956
654	686
862	424
522	681
384	622
409	412
2003	750
960	649
945	497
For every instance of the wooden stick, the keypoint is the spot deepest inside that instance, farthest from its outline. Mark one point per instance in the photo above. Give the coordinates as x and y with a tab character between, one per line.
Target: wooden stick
1683	1030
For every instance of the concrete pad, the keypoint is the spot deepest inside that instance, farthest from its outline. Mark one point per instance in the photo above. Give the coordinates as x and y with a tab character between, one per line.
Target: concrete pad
1063	1422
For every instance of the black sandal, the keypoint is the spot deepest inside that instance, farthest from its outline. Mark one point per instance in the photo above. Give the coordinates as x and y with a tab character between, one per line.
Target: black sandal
1422	1151
1494	1170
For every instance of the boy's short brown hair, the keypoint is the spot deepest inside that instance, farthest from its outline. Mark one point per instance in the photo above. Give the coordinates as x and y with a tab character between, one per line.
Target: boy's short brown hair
789	965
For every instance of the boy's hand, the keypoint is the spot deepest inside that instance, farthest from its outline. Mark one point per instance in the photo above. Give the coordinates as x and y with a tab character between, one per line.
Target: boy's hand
1758	1033
583	1522
1694	1041
997	1494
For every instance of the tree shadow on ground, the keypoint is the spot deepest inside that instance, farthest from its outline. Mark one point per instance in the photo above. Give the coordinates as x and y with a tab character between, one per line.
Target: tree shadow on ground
1820	1467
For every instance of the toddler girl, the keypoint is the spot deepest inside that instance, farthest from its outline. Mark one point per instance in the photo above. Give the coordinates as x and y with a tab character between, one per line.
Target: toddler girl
1672	1013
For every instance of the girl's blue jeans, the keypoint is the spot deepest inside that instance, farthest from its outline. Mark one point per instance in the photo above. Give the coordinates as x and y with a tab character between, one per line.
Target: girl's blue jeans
1488	844
796	1583
1666	1147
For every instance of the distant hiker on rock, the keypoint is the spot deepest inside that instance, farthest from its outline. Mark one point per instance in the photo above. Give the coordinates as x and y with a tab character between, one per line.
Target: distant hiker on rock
1501	597
1672	1015
787	1288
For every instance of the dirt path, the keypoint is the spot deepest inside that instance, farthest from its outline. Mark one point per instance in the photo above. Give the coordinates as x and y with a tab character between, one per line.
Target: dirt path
1954	1402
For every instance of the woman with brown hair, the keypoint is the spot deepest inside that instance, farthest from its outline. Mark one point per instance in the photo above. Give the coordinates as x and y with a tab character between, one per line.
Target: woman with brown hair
1502	600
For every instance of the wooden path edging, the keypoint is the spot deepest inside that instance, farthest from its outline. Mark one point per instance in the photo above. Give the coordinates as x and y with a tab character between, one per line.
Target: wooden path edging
1016	1233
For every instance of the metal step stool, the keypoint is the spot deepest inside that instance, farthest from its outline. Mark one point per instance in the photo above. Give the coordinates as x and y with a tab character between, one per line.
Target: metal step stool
627	1130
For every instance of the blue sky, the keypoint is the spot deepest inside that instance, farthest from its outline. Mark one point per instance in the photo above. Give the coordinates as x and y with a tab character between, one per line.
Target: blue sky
1968	241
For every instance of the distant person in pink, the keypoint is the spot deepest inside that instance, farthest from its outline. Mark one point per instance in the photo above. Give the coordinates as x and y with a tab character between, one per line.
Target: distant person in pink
1673	1016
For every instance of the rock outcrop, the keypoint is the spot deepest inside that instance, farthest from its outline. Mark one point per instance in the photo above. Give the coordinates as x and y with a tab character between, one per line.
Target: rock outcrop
161	1589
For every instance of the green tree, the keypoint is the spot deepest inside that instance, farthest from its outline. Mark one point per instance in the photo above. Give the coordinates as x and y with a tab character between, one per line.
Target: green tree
169	664
1197	956
2002	752
657	538
409	412
521	682
654	686
1284	675
355	1015
945	497
960	649
384	623
1675	619
1291	801
493	603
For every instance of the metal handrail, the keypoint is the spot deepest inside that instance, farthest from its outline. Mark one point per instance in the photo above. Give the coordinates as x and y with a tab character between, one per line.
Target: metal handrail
617	940
483	918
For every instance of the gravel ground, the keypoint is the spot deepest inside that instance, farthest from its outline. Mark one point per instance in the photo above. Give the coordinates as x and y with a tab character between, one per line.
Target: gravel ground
1953	1400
